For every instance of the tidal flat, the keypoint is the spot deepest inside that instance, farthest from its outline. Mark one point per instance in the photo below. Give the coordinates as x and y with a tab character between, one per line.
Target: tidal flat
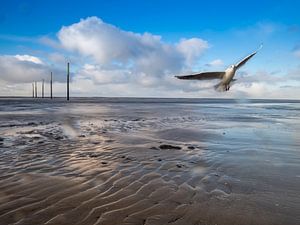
149	161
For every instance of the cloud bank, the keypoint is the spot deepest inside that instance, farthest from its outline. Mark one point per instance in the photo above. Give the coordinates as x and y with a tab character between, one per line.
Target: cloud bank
109	61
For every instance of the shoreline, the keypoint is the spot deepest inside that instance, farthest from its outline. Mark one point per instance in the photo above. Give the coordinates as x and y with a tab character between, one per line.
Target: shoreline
149	100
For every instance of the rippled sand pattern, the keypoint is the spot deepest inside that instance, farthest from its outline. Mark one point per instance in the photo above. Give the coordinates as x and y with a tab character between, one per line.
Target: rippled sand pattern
149	163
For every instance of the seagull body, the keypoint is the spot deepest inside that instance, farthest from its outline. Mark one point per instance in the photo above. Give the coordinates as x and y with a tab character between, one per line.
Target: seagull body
226	76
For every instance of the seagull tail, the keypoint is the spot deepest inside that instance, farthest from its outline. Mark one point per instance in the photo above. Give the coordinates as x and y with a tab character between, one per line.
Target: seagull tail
220	87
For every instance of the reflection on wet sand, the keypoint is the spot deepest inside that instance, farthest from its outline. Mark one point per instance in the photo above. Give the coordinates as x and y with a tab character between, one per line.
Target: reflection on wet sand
155	163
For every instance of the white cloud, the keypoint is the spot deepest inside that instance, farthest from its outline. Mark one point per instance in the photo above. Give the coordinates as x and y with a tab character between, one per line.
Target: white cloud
25	69
29	58
57	58
192	48
103	76
274	78
115	56
49	42
216	63
145	54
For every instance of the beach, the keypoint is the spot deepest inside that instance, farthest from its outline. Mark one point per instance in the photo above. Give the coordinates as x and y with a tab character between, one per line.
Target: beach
149	161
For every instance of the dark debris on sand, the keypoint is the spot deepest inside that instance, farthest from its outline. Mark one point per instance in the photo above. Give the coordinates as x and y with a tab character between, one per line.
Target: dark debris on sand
163	147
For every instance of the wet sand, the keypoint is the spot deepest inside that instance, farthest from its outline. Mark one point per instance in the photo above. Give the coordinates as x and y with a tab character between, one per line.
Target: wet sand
120	161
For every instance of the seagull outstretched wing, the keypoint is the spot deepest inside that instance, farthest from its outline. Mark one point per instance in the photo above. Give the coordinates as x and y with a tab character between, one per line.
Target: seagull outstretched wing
243	62
202	76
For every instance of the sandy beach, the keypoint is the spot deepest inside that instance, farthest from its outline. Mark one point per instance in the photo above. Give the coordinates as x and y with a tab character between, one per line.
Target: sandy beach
149	161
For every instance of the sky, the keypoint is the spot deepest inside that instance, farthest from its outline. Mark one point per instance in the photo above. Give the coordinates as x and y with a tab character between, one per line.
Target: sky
135	48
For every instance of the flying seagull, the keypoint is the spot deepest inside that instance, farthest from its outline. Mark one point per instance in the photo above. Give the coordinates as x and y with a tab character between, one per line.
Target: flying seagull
226	76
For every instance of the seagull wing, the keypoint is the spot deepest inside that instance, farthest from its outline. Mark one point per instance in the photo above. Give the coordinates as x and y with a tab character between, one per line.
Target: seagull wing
243	62
202	76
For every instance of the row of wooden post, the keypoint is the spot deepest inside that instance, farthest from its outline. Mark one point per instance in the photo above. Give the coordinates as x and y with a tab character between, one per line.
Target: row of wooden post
34	86
35	91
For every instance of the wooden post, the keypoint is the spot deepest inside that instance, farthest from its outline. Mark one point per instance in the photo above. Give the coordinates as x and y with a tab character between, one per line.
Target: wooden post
68	81
35	89
43	82
51	86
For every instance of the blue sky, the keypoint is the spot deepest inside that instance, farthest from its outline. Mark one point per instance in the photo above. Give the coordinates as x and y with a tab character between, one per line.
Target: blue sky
229	31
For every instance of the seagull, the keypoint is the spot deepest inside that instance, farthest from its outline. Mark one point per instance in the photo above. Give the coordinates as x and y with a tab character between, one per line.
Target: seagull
226	76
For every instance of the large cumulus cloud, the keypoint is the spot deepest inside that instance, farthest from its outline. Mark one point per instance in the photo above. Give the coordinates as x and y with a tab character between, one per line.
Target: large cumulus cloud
143	54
